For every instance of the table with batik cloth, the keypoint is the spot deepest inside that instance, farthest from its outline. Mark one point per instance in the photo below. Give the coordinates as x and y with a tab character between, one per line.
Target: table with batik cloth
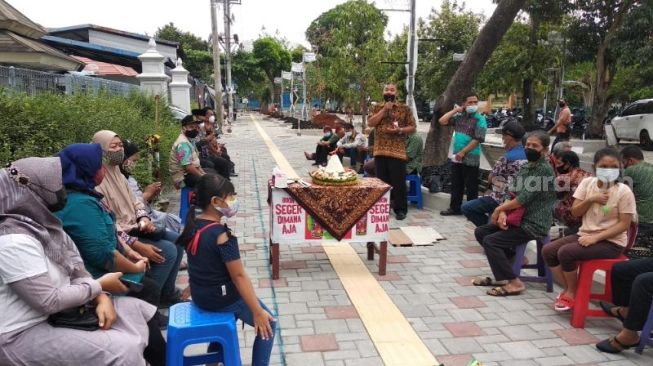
358	213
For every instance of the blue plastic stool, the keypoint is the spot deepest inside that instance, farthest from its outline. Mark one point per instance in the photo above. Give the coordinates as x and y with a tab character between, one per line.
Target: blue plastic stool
543	273
415	190
645	334
184	203
189	324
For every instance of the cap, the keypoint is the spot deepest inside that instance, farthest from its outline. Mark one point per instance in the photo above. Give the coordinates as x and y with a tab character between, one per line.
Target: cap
188	120
513	129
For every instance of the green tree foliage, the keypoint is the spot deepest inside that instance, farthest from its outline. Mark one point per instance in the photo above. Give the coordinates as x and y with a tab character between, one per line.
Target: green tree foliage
271	57
450	29
187	40
42	125
349	39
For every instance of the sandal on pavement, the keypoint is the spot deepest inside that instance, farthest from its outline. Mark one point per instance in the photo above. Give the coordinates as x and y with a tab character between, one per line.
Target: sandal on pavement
609	310
486	281
563	303
500	291
608	347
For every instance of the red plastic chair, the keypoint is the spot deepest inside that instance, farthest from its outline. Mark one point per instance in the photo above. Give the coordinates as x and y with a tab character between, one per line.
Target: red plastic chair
584	295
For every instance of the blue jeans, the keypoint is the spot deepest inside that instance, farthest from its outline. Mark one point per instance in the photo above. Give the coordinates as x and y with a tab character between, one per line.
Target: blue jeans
352	153
165	274
478	211
262	348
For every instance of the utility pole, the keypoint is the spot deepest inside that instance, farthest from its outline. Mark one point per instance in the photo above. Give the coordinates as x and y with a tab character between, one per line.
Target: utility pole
410	97
227	47
216	64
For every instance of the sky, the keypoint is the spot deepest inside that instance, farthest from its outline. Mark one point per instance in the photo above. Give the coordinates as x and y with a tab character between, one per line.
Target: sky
289	17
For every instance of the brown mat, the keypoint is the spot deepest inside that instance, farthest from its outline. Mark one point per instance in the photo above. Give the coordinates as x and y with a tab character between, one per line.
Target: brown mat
397	237
338	208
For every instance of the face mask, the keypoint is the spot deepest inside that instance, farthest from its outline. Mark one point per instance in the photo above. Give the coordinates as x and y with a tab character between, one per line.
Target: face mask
389	97
327	134
347	134
127	166
532	155
231	210
471	109
62	198
563	170
212	119
191	134
607	175
115	157
202	125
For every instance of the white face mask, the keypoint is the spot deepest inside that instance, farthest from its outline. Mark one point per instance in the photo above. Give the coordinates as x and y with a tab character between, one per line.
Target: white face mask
202	125
471	108
607	175
212	119
347	134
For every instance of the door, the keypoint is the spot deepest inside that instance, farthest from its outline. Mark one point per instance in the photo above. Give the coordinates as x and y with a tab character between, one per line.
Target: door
624	126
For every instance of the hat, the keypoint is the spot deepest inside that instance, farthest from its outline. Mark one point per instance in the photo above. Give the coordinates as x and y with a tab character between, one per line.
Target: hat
188	120
513	129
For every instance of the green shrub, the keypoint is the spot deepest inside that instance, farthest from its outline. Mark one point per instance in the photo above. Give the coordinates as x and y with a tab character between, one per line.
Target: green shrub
42	125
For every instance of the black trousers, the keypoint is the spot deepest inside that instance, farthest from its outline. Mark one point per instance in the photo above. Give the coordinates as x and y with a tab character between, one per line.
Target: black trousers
464	179
393	172
321	153
632	286
221	165
155	352
500	247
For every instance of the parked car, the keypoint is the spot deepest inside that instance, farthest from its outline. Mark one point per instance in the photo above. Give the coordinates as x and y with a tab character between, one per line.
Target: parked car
636	123
177	113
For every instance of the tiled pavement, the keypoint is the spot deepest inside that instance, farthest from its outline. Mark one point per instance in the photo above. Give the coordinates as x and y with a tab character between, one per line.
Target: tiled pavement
430	285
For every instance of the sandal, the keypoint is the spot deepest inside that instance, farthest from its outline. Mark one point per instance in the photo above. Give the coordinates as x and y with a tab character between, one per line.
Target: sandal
500	291
563	303
608	310
486	281
607	346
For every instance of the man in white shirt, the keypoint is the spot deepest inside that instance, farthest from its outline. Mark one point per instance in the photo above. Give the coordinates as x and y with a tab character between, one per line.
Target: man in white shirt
349	144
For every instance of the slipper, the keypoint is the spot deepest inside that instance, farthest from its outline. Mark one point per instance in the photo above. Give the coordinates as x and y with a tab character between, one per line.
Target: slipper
608	310
486	281
607	347
563	303
501	291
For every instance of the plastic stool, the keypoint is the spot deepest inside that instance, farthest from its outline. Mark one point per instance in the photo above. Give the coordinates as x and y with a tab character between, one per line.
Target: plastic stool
645	335
415	190
189	324
184	203
543	272
586	269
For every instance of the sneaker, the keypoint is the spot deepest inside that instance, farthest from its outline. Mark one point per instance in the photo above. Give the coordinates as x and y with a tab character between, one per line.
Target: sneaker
168	301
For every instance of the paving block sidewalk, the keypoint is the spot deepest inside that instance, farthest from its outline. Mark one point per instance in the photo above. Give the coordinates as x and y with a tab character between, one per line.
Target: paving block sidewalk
431	285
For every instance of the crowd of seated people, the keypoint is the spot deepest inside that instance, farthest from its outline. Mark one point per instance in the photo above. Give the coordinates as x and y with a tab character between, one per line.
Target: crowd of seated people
326	145
350	145
414	153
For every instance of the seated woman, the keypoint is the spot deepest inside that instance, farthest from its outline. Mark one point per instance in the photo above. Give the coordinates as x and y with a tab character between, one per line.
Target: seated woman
146	196
133	223
607	208
41	273
217	278
567	181
92	227
535	194
632	294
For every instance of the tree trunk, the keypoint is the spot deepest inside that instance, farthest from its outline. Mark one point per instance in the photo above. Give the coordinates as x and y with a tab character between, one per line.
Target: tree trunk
527	86
605	70
436	149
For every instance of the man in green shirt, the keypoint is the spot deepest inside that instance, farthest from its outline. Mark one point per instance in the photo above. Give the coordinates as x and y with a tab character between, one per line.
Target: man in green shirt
639	175
415	152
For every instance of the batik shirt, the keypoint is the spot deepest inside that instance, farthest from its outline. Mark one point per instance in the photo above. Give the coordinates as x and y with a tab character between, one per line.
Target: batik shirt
387	144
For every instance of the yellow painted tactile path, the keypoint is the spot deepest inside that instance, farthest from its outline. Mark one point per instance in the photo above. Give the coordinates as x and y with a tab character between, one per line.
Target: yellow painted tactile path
393	336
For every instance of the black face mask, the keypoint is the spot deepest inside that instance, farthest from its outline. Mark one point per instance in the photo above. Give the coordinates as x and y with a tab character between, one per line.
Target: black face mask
191	134
62	198
389	98
563	169
533	155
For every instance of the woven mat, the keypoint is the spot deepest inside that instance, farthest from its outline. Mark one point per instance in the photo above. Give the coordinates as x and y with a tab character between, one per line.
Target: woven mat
338	208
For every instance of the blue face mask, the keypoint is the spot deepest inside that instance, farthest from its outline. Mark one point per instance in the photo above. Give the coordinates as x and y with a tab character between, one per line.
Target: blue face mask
471	109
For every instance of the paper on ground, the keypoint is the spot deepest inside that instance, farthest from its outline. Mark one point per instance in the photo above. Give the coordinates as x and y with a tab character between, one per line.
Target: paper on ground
422	235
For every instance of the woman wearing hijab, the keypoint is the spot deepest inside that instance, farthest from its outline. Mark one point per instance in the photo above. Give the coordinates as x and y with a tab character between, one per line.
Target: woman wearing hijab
41	273
133	223
91	225
147	195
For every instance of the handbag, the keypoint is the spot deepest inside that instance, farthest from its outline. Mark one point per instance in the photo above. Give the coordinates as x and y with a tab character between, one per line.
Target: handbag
80	318
515	216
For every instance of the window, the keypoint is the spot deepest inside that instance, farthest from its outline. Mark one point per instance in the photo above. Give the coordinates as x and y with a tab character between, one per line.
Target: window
647	108
633	109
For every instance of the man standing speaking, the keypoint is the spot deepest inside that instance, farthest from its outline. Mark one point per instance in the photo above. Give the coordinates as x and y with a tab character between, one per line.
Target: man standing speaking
392	122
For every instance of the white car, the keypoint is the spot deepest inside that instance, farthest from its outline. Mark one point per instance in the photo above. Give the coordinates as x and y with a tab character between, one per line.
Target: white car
636	123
